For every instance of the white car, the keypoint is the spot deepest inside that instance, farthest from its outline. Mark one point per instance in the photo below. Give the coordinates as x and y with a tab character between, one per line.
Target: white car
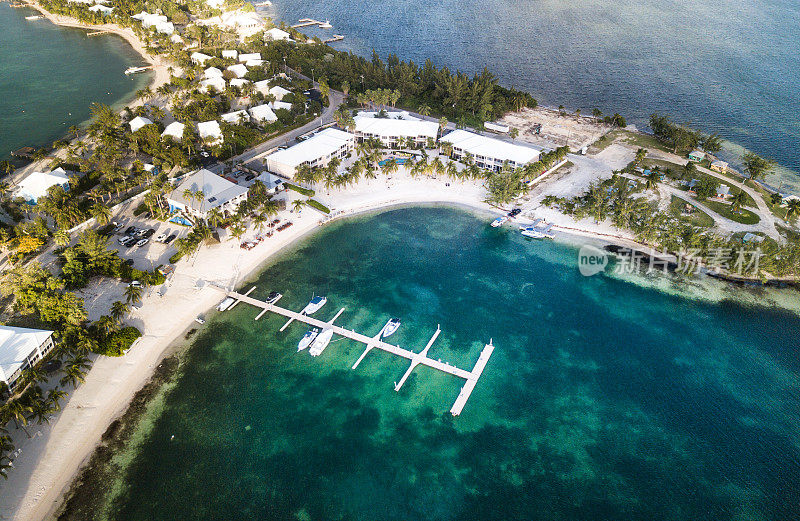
135	284
161	238
142	242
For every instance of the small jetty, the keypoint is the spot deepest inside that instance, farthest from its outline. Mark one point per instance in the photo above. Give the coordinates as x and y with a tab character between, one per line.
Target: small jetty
336	38
373	342
98	33
308	22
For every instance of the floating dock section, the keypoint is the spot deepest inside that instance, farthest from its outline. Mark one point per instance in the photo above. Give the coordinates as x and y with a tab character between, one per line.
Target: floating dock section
421	358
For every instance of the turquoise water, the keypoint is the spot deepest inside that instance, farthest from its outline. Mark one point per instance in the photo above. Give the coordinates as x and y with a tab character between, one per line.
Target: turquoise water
730	67
49	76
603	400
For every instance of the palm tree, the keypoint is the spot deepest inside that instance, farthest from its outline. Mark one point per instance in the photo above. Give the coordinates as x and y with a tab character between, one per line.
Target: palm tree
652	179
118	310
297	205
513	133
738	200
390	167
424	110
792	209
133	293
101	213
18	412
442	124
75	371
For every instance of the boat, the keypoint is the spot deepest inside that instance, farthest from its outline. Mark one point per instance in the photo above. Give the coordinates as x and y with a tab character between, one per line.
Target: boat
273	297
532	233
33	17
390	327
134	70
325	25
225	304
500	221
262	4
321	342
307	339
314	305
200	320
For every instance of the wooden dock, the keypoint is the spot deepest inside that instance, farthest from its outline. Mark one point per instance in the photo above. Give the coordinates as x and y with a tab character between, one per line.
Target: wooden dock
336	38
416	359
306	22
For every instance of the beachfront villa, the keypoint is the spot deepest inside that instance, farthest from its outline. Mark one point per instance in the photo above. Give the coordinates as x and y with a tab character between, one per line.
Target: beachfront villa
239	82
276	34
212	72
236	117
101	8
216	82
238	70
390	115
719	166
199	58
262	87
217	192
488	152
697	156
394	132
139	122
210	132
279	92
316	151
174	130
262	114
160	22
275	105
21	348
230	53
36	185
246	57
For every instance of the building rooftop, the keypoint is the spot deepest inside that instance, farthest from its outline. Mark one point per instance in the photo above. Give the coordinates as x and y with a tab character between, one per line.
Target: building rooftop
16	343
396	127
479	145
209	130
174	130
238	70
36	184
235	117
321	144
263	113
217	190
138	122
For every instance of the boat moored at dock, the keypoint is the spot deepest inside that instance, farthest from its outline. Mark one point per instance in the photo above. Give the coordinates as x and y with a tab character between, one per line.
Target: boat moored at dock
321	342
391	326
307	339
500	221
314	305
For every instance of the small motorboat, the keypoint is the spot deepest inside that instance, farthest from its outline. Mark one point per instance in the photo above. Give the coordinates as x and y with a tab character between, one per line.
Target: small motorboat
314	305
532	233
273	297
307	339
390	327
321	342
325	25
200	320
33	17
500	221
225	304
134	70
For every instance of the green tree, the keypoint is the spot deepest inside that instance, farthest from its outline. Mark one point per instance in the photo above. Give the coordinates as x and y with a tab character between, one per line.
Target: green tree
755	166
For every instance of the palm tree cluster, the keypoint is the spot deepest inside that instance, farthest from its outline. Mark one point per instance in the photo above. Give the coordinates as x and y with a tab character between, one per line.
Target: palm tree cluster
682	138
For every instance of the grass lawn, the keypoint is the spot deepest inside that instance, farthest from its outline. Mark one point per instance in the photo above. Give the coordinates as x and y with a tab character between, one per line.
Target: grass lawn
639	140
741	216
697	218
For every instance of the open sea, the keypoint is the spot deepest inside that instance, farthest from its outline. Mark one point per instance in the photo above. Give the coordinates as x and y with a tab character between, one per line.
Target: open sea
50	75
729	66
604	399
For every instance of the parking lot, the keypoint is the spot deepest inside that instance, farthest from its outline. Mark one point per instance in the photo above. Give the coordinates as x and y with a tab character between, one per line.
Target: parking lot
144	241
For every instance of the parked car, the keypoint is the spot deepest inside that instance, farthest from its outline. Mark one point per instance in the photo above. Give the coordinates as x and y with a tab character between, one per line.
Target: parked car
161	238
123	240
135	284
149	233
130	230
127	241
169	239
142	242
141	233
249	177
117	226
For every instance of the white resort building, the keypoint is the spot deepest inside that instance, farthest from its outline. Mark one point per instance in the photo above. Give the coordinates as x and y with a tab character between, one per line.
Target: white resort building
217	192
37	184
200	58
21	348
277	34
315	151
262	114
210	132
488	152
236	117
391	132
139	122
174	130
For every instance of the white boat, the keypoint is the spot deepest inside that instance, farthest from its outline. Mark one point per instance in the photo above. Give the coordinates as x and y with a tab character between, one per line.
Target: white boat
500	221
326	25
532	233
33	17
309	337
390	327
321	342
314	306
134	70
260	4
200	320
225	304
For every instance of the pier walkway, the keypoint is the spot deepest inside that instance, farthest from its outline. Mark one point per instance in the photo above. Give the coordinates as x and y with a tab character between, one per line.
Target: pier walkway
416	359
